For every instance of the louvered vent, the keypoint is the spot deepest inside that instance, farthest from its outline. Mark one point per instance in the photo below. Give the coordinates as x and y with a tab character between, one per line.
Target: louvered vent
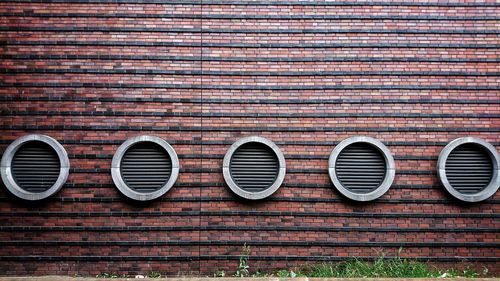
35	166
146	167
360	168
469	168
254	167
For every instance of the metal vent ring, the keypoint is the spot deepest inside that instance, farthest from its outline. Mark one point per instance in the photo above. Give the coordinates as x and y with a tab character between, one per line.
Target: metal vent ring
34	167
361	168
468	168
145	168
254	168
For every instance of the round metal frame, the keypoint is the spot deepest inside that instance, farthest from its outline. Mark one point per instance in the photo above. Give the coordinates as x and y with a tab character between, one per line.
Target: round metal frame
489	190
254	195
116	171
389	175
6	167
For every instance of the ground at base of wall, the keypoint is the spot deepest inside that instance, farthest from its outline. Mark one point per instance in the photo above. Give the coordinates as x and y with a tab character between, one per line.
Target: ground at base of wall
66	278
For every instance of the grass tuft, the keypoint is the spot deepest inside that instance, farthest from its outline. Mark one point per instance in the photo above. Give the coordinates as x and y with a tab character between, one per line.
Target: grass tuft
394	267
382	267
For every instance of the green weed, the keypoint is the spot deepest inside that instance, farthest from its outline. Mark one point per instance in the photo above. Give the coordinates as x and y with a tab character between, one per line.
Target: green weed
111	275
394	267
243	267
154	274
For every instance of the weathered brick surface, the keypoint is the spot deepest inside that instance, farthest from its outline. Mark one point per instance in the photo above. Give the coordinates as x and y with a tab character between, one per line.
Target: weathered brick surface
202	75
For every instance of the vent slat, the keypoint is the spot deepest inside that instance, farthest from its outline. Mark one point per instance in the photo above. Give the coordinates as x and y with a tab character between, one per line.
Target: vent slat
138	184
469	168
261	166
30	166
360	168
368	180
251	169
351	166
467	185
151	169
471	164
467	159
254	167
363	177
252	181
470	175
472	181
33	183
146	167
35	166
27	173
245	159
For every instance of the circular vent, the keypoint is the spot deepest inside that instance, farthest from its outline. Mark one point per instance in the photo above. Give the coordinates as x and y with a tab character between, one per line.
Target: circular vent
145	168
468	169
254	168
34	167
361	168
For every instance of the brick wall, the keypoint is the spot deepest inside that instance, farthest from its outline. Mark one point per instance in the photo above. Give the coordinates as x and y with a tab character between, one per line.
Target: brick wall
92	73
